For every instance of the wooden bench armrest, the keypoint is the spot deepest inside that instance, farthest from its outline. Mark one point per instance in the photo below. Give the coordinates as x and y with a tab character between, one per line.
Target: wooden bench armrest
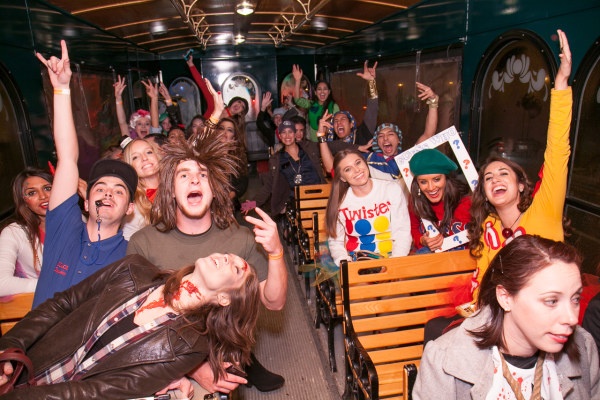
410	376
360	368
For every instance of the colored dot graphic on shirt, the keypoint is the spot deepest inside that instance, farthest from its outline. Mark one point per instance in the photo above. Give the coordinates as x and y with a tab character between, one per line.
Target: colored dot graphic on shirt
363	227
381	224
352	243
377	241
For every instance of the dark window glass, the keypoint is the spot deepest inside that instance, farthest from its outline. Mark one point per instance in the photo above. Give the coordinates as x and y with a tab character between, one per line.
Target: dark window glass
11	130
514	104
398	101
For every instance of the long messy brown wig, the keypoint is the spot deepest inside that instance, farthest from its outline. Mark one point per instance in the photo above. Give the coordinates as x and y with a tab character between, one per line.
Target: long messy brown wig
220	164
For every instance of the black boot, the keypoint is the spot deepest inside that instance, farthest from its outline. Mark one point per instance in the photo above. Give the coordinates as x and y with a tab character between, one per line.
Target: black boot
263	379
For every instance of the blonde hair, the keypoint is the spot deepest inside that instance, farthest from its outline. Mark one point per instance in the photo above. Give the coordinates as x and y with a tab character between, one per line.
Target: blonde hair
142	203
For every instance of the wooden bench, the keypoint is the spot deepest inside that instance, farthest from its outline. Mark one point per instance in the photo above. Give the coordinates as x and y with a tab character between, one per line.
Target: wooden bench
386	305
328	298
310	199
12	310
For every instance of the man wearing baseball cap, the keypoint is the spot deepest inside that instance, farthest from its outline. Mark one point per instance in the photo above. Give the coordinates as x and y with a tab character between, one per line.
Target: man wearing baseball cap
73	249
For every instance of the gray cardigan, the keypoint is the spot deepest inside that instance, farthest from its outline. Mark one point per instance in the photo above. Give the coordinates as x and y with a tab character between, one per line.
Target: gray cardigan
453	367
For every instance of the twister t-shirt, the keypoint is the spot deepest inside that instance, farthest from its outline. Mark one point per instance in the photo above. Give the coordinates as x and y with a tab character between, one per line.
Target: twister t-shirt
377	222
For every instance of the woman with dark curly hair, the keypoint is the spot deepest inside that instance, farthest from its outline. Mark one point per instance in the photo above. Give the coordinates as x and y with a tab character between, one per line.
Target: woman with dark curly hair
438	196
502	204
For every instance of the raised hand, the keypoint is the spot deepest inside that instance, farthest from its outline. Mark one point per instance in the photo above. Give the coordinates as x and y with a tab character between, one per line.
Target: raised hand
425	92
119	86
297	72
265	232
190	60
162	89
59	70
324	123
267	100
564	70
151	89
217	98
368	74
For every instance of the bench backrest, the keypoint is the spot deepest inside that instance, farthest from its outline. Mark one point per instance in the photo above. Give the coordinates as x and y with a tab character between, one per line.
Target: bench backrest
311	199
387	303
12	310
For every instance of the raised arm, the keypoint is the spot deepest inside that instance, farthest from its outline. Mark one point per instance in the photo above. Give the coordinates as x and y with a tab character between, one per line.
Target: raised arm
66	177
326	154
297	74
171	107
120	86
152	92
370	118
274	289
433	101
202	85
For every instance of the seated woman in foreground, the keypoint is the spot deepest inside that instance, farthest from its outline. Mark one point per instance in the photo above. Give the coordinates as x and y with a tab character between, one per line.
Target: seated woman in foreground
524	342
128	330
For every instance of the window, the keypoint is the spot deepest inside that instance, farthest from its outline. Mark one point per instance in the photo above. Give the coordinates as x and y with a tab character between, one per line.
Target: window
511	101
15	139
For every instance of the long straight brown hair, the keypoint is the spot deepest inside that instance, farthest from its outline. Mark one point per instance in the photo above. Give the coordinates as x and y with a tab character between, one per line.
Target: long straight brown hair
339	188
23	214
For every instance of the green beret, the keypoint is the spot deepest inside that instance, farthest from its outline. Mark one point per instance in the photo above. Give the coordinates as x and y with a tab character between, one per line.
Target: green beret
431	161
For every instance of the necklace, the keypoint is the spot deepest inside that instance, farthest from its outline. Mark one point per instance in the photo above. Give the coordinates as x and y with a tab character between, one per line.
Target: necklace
508	232
297	173
516	386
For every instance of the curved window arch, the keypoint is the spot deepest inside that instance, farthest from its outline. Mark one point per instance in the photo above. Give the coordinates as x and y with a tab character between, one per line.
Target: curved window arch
16	146
511	100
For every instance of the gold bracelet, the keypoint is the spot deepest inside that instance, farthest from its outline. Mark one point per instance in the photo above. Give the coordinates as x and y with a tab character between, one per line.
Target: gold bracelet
277	256
432	101
62	91
372	89
214	120
433	105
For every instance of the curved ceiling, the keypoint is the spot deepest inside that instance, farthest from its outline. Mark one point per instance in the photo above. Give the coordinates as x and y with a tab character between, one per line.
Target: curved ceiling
183	24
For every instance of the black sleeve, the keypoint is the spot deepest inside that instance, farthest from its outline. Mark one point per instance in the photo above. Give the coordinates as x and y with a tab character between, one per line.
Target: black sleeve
265	127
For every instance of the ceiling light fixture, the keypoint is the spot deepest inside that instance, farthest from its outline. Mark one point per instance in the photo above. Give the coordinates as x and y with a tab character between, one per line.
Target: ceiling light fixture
244	8
319	24
158	28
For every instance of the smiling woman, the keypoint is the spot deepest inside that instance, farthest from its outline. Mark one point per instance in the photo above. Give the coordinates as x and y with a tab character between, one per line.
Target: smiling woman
364	213
503	201
144	156
22	240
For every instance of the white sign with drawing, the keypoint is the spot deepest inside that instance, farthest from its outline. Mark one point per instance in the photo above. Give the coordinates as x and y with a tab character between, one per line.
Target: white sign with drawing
451	137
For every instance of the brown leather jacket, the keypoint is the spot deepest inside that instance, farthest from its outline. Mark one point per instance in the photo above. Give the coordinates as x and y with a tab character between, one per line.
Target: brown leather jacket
59	326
